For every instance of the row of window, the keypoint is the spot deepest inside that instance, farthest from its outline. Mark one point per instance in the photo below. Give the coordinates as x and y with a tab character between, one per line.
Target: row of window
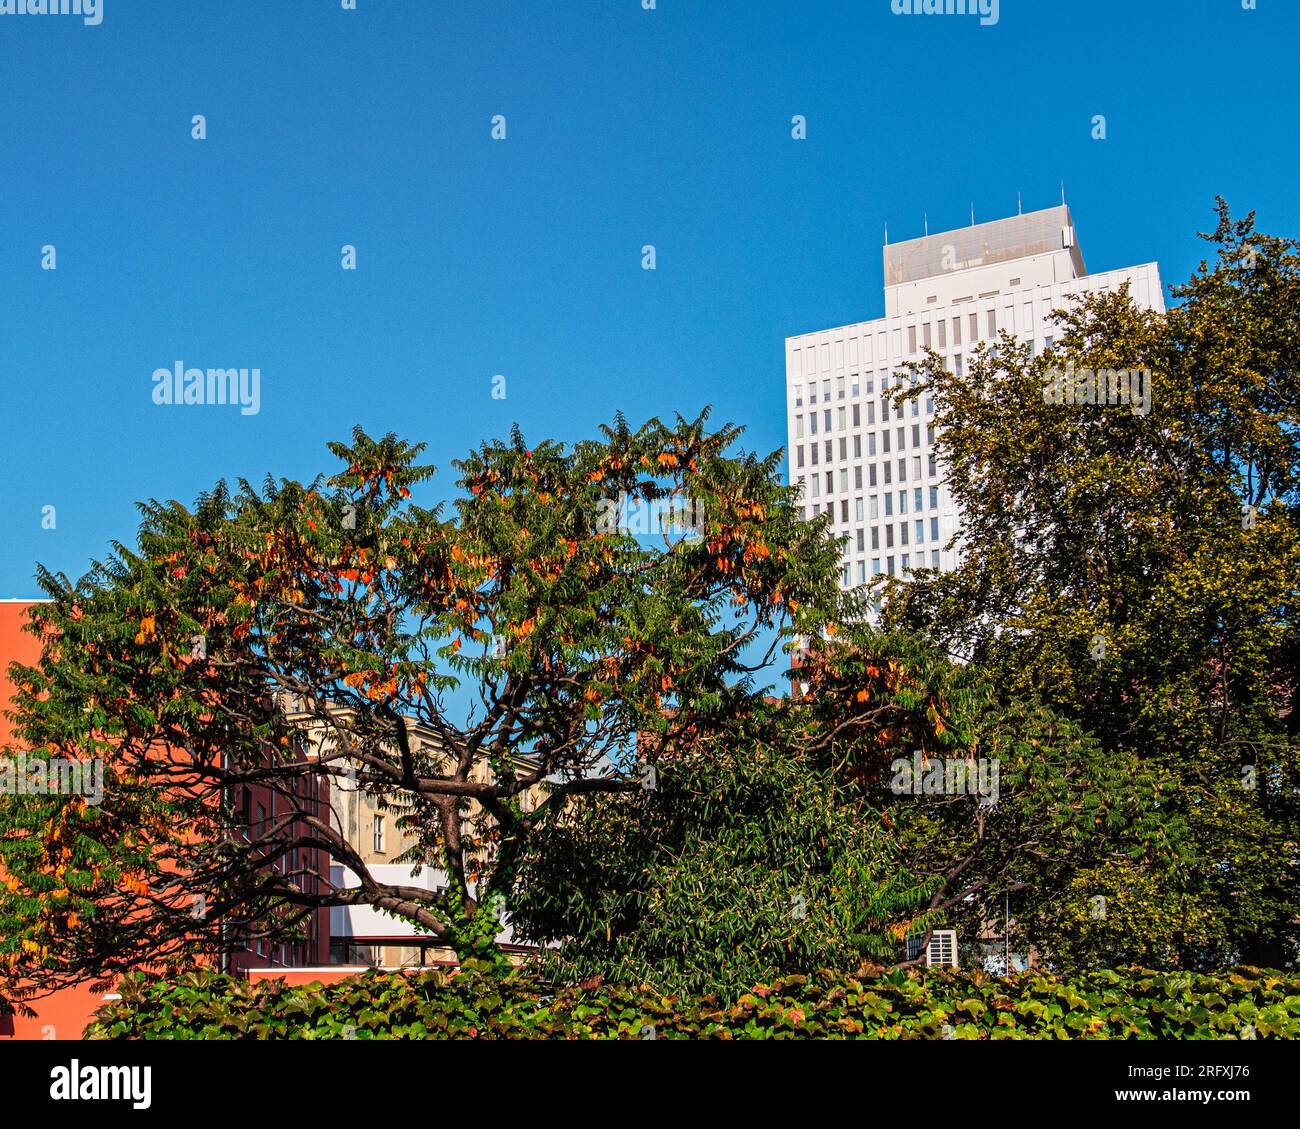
904	561
937	333
812	483
838	419
853	387
828	445
870	507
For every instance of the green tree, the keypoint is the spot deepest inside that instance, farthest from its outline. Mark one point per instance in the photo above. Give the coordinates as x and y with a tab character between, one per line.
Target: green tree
305	632
1138	573
744	862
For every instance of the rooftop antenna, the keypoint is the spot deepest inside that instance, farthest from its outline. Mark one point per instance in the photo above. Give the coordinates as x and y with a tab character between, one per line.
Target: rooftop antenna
886	235
927	223
1063	193
1020	210
972	213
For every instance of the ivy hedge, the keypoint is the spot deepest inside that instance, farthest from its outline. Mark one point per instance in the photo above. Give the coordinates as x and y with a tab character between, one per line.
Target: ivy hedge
1104	1004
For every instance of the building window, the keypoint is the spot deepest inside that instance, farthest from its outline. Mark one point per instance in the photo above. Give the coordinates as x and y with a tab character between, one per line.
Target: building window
889	470
798	395
871	444
902	470
956	331
862	540
844	447
812	423
884	442
857	478
902	501
844	510
826	418
889	505
875	567
379	834
920	532
916	435
974	328
889	537
934	529
871	472
857	509
842	419
875	538
911	339
857	446
857	414
799	456
875	506
934	497
933	465
934	559
916	499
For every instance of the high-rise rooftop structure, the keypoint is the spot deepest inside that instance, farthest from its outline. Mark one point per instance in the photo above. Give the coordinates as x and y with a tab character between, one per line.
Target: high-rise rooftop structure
874	468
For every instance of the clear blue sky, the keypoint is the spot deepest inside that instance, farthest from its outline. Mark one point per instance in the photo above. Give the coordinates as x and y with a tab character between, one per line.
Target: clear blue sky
522	257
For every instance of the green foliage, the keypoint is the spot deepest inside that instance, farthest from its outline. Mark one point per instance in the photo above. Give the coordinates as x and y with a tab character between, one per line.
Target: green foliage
335	620
1091	523
744	862
1133	1004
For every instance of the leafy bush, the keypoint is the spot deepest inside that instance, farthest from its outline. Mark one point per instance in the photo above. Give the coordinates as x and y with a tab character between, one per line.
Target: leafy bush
871	1004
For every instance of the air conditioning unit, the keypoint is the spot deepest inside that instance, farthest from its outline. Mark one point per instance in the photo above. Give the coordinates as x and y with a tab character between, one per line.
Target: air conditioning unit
943	949
941	952
1067	237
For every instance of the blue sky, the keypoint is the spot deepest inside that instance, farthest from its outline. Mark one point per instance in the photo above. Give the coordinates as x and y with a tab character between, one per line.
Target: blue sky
523	257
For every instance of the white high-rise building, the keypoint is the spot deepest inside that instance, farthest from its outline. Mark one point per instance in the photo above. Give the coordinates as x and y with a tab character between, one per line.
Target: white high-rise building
872	467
